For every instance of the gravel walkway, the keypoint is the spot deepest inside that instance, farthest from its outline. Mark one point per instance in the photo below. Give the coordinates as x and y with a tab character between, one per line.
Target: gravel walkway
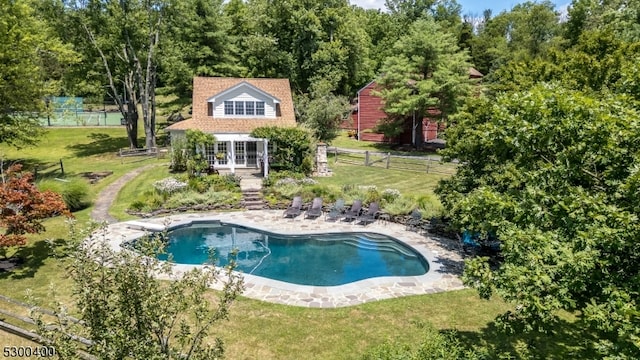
100	212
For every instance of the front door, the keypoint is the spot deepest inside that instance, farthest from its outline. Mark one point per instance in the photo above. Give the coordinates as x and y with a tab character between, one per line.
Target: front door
252	154
241	153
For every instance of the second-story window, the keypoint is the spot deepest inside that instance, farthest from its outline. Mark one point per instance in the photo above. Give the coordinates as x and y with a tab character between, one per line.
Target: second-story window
260	108
249	108
239	107
228	107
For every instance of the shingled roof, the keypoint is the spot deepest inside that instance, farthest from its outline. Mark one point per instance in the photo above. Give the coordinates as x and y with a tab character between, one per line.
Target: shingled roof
206	87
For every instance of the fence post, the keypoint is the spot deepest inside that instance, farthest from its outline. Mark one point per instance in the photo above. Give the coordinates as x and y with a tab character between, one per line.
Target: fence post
366	158
61	167
428	161
388	159
335	158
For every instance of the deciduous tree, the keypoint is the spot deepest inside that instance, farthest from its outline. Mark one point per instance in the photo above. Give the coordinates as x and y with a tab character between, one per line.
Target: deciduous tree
127	312
27	47
554	173
23	207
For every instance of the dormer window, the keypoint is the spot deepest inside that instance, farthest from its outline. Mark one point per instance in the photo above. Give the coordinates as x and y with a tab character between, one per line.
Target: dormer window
249	108
243	108
260	108
239	107
228	107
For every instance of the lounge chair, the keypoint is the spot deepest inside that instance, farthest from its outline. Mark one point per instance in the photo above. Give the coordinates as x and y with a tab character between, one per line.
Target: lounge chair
295	208
354	211
415	221
335	212
316	208
371	215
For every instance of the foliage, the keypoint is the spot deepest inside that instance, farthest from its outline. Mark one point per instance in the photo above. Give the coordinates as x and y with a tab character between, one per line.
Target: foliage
554	174
74	192
402	205
179	154
435	345
26	46
427	72
23	207
187	152
126	310
169	185
323	113
294	148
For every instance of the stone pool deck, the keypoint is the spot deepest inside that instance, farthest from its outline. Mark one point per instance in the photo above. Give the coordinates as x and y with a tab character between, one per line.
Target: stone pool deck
443	255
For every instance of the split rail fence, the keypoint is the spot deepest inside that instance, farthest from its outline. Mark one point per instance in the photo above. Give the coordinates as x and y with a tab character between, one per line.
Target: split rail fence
15	318
428	164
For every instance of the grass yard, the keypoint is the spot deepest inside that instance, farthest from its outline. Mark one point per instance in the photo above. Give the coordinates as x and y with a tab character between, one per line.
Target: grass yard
415	183
344	141
260	330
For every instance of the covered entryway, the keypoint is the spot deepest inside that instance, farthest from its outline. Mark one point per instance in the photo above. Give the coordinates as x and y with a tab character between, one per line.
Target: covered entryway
238	151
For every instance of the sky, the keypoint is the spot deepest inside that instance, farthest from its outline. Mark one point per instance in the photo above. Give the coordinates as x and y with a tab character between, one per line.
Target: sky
472	7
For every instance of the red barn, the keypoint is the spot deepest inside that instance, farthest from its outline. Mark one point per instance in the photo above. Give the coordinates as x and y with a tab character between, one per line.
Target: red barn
368	113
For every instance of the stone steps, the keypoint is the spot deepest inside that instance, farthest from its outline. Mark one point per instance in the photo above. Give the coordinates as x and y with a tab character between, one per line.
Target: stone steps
252	199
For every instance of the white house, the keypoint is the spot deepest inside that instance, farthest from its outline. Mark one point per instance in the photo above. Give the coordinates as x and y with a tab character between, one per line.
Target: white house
230	108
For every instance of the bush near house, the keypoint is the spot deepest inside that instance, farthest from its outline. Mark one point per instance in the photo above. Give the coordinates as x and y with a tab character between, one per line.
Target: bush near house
294	148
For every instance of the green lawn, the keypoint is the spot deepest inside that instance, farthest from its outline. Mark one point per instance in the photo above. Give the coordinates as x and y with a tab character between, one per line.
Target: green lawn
415	183
344	141
260	330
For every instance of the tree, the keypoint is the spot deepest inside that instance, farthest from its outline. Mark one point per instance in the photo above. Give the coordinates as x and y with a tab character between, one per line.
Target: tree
26	46
127	311
125	37
428	72
323	112
23	207
198	43
553	173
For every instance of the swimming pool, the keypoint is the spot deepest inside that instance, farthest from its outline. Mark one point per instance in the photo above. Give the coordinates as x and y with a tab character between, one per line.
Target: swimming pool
311	259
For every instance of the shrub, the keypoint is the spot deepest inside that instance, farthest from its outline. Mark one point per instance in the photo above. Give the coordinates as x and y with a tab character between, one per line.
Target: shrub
328	194
429	206
199	184
403	205
288	191
434	345
187	198
372	195
137	205
294	149
74	192
169	185
389	195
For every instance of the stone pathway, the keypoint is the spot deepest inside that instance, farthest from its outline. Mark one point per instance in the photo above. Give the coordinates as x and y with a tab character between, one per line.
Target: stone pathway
100	212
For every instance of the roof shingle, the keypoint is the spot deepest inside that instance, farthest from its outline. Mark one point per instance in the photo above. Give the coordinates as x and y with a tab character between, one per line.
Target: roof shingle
206	87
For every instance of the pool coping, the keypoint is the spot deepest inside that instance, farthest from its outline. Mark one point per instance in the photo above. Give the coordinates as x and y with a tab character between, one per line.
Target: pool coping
442	276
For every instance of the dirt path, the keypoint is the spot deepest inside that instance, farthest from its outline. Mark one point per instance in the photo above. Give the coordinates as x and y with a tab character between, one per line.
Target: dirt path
100	212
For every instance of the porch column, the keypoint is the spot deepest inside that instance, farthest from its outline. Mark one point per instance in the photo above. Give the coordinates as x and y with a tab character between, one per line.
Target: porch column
265	158
232	161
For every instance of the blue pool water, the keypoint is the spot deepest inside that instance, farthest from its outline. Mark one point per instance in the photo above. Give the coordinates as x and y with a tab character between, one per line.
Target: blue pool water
320	260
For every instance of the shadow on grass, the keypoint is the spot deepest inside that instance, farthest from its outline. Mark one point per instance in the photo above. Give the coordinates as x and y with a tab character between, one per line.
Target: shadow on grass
28	164
101	144
29	258
567	340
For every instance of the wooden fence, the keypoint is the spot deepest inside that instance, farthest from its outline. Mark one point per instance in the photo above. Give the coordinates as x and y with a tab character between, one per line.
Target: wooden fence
15	319
428	164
